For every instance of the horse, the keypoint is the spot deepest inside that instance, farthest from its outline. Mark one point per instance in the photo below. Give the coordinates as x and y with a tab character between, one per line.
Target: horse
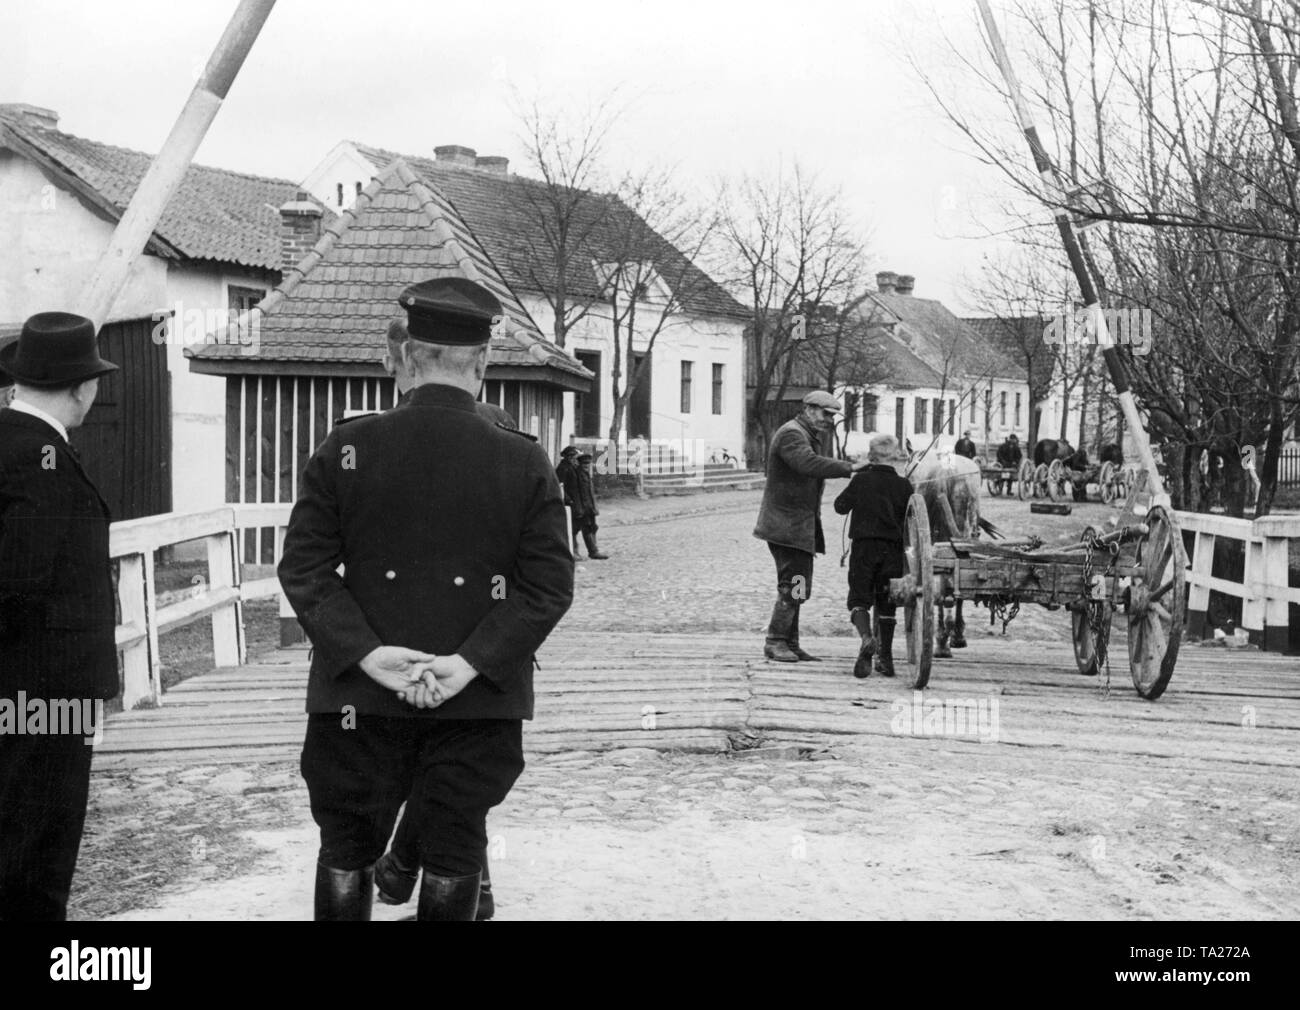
1048	449
950	486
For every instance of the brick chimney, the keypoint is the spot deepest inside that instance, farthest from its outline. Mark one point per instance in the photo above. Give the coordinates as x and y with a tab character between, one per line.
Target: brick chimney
904	284
885	281
300	221
31	115
493	163
454	154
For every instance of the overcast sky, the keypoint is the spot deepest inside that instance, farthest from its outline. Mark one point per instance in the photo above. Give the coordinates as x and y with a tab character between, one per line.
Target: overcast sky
711	88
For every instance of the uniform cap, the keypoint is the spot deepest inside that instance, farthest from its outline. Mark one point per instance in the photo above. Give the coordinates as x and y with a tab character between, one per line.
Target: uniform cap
450	310
821	398
569	450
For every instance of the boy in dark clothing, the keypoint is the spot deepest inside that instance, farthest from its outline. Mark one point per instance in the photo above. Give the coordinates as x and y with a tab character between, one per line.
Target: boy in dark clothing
877	497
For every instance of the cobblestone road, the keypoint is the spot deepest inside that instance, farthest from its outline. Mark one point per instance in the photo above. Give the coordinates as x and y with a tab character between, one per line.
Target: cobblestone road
883	827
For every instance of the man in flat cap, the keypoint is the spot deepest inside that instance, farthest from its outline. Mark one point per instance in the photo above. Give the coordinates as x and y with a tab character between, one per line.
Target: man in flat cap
790	516
56	610
450	531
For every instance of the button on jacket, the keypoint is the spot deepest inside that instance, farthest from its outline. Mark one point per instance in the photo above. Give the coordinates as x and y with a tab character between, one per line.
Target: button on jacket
452	537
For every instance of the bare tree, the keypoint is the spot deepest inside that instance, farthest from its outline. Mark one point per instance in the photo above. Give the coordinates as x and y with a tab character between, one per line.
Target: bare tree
787	249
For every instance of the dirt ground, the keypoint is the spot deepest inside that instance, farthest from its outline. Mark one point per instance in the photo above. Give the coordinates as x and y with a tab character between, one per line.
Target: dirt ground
876	826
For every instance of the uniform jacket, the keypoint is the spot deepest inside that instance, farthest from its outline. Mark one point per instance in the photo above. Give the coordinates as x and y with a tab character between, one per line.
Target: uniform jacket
1009	454
790	515
567	474
451	533
57	612
877	497
965	447
584	502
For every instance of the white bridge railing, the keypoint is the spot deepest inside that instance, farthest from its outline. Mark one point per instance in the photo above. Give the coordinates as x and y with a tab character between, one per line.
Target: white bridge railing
220	596
1263	590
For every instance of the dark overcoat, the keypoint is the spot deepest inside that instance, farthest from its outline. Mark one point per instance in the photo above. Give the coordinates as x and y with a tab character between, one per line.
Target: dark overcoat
451	534
790	515
56	586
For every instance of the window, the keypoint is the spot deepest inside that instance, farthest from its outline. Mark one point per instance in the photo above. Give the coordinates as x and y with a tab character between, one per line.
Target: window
988	406
851	397
1017	410
1002	409
686	386
868	412
918	409
972	406
899	410
938	416
340	192
240	300
358	187
952	414
717	389
586	406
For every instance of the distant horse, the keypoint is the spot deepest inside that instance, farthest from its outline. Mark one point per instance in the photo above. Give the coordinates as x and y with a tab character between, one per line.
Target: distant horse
950	487
1048	449
1112	453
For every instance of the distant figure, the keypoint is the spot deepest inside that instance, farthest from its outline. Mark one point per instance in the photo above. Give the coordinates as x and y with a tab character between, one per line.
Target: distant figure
965	447
1009	454
585	510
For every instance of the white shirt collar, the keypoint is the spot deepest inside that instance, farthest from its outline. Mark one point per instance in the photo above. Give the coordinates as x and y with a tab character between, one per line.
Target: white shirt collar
26	408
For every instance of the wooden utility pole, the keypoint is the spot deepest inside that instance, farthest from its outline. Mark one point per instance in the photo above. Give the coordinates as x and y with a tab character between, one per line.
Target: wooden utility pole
1047	171
168	168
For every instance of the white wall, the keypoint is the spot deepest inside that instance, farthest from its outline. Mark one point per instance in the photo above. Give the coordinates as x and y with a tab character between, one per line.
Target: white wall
342	166
705	341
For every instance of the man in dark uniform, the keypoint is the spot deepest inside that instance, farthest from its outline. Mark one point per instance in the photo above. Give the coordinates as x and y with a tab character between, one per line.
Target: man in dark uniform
56	611
877	497
451	534
965	447
790	517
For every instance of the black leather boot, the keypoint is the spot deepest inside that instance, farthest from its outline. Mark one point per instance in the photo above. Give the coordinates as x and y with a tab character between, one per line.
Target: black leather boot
803	657
592	550
777	646
885	654
343	895
861	619
393	880
449	899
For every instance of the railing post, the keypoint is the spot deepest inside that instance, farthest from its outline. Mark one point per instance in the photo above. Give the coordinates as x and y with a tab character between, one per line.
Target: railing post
1198	600
227	623
136	674
1254	588
1273	572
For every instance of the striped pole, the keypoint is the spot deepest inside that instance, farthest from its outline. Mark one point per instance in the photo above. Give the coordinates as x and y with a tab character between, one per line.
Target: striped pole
167	170
1047	171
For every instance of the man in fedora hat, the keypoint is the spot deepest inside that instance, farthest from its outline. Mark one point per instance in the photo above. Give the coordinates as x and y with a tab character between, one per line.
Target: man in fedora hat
790	517
456	567
56	609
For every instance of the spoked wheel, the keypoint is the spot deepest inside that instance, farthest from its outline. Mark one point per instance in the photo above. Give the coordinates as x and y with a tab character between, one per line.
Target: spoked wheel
918	607
1157	608
1090	624
994	484
1106	482
1025	480
1040	481
1056	480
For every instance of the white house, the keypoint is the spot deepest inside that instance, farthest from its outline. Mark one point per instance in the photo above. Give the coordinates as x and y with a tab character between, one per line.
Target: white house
694	400
156	436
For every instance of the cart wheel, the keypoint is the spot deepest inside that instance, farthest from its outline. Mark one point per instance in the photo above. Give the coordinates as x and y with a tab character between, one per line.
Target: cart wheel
1025	480
1157	606
994	484
1106	481
1087	655
1056	480
1040	481
918	609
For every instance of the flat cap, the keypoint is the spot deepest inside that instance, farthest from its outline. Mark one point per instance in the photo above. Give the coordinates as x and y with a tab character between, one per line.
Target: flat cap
821	398
569	450
450	310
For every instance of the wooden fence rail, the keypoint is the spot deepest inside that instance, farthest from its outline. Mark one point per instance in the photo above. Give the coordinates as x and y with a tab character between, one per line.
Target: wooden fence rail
1264	590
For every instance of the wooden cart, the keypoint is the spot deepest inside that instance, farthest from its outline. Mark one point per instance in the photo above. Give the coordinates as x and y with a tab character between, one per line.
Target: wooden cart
1138	568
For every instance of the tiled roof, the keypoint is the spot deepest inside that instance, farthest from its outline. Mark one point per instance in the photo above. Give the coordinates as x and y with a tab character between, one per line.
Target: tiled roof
943	342
1022	331
503	212
216	214
335	305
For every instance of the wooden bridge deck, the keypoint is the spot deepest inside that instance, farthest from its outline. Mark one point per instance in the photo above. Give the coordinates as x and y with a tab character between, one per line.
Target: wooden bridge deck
715	693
